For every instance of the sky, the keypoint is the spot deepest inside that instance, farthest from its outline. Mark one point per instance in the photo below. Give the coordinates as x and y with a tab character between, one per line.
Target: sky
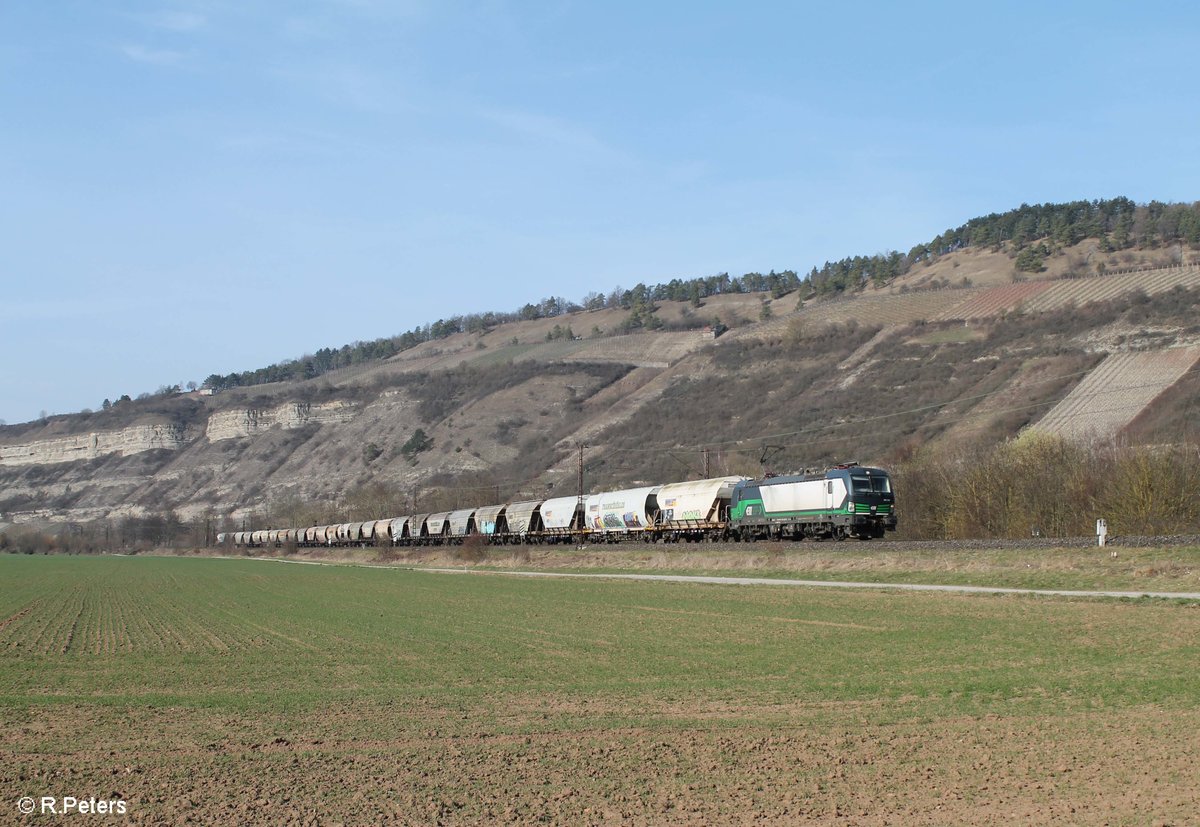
206	186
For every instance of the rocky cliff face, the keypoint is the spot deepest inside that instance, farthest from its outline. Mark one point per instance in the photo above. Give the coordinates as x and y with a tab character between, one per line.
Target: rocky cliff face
204	456
124	442
135	439
291	415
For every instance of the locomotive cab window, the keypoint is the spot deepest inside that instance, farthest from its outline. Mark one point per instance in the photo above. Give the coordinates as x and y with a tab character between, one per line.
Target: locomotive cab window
874	484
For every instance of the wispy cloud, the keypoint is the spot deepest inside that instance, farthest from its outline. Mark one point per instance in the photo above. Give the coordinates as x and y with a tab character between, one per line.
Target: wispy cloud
303	143
343	21
381	8
119	305
360	89
157	57
331	19
305	29
345	85
547	129
176	21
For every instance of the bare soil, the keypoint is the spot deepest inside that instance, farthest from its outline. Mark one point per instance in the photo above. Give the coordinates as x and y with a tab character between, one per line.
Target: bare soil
555	761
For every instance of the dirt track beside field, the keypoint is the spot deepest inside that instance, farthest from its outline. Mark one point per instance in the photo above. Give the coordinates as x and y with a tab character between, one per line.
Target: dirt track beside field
833	584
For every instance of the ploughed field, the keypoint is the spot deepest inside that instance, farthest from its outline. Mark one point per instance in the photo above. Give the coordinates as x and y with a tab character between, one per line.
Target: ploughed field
242	691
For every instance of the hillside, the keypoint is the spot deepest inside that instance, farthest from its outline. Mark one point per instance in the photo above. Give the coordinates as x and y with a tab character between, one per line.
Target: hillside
963	349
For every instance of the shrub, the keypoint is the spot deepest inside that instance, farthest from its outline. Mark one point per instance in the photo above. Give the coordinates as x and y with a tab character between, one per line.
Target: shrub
472	550
1051	486
416	444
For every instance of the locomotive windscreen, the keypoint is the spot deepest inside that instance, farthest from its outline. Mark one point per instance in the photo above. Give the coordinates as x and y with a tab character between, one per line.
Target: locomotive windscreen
874	484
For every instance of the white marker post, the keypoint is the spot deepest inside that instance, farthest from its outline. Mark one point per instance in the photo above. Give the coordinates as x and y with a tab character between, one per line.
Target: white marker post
1101	532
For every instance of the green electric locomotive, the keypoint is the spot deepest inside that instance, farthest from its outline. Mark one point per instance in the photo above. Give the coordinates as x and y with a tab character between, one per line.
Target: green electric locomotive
844	501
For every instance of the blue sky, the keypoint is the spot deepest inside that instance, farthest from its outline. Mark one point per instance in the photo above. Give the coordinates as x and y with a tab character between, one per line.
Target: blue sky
202	187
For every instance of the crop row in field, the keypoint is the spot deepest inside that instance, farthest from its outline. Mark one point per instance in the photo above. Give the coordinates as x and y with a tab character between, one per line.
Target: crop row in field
1116	391
1069	292
957	303
987	303
102	614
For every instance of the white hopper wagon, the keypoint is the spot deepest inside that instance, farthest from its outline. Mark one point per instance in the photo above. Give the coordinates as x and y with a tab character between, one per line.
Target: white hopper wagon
398	528
437	525
380	530
622	512
697	508
561	516
523	518
490	520
461	523
417	527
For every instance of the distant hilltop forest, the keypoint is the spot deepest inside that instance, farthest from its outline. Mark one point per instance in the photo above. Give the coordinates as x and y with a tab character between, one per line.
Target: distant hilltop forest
1030	234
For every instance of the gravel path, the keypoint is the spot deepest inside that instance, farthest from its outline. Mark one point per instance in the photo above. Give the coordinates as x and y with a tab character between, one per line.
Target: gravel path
824	584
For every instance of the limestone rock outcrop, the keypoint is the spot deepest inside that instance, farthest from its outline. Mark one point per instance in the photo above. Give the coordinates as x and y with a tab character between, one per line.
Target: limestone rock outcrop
131	440
250	421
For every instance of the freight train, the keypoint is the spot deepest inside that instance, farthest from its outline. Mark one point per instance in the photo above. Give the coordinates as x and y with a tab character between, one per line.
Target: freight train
847	500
